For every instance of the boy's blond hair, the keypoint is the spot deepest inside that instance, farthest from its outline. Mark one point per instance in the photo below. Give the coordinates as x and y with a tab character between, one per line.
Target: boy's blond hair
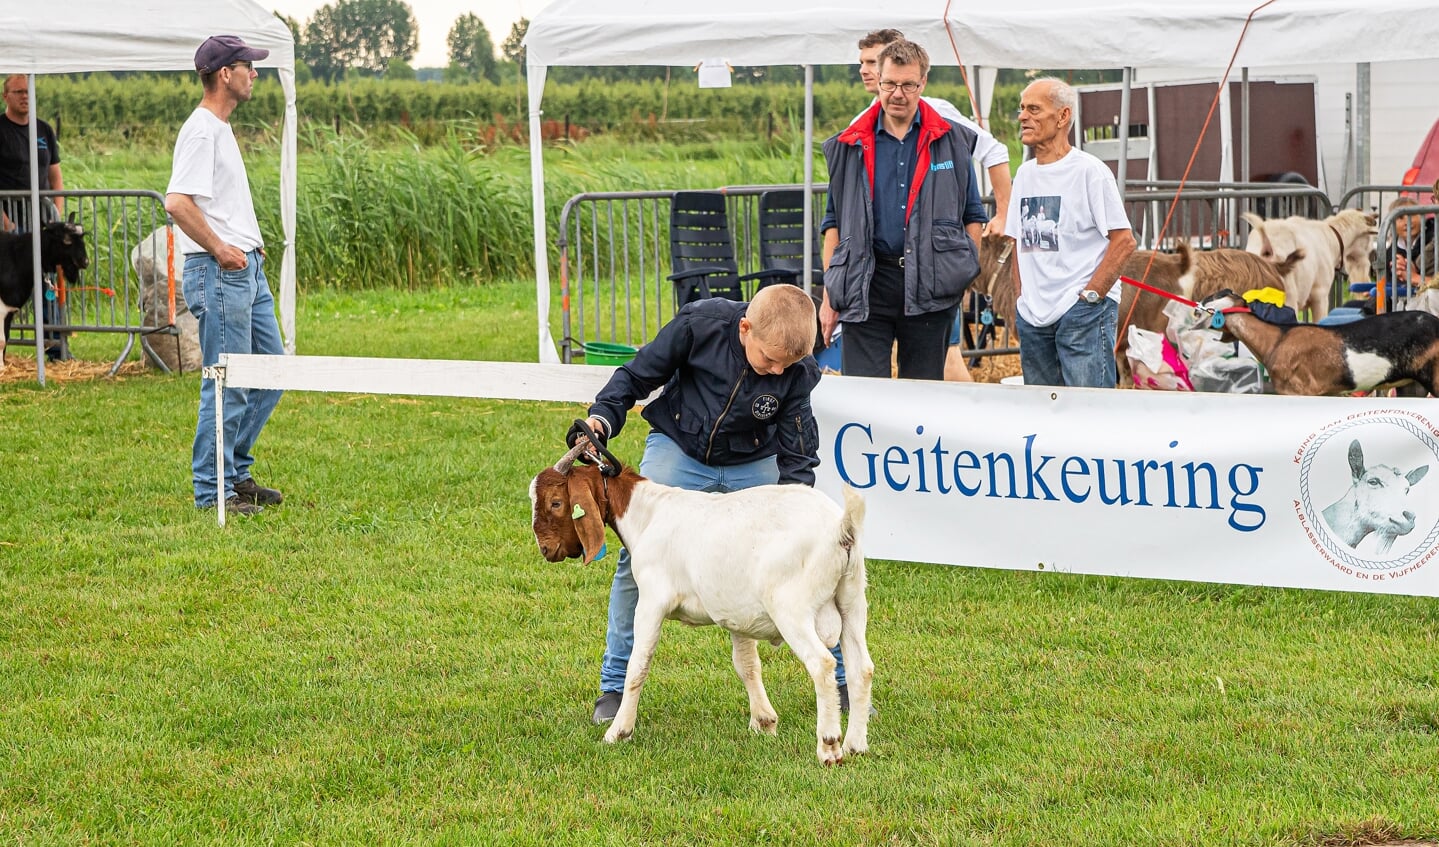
783	315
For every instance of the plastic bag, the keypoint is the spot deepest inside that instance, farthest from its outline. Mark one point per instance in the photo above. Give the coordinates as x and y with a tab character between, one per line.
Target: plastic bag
1155	363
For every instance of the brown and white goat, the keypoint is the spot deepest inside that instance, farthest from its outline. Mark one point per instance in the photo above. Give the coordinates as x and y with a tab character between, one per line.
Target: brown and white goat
1376	502
1383	351
62	244
1194	276
1342	241
773	563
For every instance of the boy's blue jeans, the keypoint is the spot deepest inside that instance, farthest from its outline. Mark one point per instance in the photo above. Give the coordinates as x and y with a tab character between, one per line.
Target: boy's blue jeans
236	313
666	463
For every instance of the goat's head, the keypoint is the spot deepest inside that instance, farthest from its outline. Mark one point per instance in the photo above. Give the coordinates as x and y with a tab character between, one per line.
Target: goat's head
1212	312
1381	495
63	243
1358	231
568	506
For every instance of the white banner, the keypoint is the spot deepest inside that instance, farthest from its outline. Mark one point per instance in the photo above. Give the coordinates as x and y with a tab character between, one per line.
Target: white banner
1304	492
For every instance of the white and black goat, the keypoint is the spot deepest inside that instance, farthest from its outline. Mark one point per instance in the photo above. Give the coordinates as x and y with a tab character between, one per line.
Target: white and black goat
1383	351
1377	502
773	563
62	244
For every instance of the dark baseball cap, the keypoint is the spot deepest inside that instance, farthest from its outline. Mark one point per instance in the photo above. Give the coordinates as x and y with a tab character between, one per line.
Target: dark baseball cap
221	50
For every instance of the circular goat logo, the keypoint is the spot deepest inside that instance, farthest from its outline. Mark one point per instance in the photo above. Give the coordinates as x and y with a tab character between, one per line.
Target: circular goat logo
1368	500
764	407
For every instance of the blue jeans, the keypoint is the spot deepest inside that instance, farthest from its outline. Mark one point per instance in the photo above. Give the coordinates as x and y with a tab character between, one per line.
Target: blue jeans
236	313
1076	350
666	463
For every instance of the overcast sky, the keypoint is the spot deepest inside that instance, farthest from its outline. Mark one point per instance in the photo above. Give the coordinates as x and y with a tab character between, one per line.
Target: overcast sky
435	17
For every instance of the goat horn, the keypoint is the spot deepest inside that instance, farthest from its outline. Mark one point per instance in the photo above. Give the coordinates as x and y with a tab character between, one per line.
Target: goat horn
568	462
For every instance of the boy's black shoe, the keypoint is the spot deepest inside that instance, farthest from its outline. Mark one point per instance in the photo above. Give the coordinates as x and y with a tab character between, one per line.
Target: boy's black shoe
606	707
252	492
235	506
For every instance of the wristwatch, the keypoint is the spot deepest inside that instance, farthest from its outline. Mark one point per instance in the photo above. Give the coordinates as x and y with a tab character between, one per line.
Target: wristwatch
1091	296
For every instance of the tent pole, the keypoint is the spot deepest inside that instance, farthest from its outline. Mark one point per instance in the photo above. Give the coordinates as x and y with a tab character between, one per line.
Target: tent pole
289	191
38	303
1124	129
1245	172
808	177
1361	123
545	344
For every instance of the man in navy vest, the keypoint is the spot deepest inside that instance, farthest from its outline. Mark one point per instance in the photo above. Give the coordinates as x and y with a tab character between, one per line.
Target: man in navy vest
902	228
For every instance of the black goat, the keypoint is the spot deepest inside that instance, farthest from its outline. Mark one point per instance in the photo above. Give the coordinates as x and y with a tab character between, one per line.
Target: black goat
62	245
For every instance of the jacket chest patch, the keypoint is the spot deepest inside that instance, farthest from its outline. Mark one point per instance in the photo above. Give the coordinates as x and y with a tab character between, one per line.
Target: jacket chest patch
764	407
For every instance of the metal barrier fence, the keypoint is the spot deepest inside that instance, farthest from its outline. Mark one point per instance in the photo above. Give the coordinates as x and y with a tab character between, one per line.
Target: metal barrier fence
1209	216
1375	199
108	297
614	252
614	259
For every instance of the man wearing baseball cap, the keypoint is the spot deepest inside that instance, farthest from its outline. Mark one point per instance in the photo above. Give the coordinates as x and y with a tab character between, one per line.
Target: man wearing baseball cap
224	278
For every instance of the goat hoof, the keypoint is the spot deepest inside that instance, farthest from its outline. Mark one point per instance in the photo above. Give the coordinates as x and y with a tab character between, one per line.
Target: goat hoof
616	734
856	748
830	753
764	724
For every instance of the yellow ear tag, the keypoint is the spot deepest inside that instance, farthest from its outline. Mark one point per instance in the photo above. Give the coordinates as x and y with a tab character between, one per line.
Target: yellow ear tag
577	513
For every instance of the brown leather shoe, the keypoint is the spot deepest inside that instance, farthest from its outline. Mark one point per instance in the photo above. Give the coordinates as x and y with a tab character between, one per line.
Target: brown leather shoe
252	492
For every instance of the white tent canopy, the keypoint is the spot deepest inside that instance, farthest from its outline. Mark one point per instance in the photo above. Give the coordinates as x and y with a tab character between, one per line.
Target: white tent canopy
75	36
1201	35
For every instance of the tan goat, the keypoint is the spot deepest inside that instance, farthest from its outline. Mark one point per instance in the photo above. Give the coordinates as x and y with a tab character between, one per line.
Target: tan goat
1194	276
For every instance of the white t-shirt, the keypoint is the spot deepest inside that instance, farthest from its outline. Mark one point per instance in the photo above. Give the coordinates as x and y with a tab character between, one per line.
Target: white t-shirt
988	150
1060	216
208	167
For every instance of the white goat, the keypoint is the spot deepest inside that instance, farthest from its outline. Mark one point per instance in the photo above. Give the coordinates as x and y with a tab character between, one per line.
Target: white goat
1342	241
1375	502
776	562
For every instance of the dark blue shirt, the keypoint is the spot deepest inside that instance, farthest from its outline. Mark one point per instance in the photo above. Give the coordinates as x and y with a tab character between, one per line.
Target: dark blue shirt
894	161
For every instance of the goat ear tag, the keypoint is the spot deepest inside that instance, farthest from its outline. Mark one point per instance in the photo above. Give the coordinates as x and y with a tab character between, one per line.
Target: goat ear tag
1217	322
577	513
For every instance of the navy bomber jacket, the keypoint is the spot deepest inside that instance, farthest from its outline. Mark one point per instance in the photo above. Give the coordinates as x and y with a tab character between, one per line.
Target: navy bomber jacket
715	406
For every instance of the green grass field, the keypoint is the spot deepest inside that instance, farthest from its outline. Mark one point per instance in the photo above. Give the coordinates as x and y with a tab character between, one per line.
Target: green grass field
386	659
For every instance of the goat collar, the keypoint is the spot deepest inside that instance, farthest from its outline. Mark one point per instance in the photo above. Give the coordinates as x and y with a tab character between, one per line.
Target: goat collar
1338	262
1216	316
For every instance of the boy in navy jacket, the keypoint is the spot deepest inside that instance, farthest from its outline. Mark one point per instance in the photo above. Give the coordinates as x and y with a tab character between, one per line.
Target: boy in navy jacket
735	413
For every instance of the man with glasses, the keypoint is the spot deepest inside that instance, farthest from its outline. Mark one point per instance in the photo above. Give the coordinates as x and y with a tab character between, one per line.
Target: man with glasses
224	279
902	227
15	176
989	152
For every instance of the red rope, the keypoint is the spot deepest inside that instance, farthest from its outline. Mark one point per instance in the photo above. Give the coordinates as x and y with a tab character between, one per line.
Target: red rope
964	74
1161	292
1179	190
